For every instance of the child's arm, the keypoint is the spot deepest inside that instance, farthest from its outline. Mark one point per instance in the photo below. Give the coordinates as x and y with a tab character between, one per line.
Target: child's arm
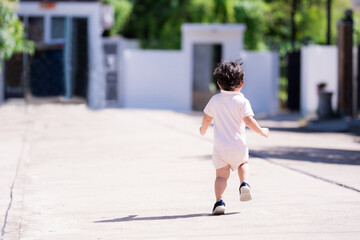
205	124
253	125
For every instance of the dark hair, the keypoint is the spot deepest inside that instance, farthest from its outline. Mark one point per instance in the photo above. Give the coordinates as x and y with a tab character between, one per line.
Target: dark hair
230	75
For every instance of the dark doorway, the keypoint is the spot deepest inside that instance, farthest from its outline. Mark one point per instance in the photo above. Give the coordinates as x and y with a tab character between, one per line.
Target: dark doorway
14	87
79	57
293	76
205	58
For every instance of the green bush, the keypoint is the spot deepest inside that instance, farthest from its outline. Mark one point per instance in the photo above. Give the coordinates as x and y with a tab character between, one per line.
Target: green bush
12	38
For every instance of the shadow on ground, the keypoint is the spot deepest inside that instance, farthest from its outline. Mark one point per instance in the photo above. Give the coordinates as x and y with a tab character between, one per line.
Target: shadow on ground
169	217
331	156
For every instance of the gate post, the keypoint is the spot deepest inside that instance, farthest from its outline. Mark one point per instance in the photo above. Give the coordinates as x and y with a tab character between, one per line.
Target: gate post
345	45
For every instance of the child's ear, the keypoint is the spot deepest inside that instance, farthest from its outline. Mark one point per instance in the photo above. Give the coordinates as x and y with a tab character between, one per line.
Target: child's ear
218	84
241	85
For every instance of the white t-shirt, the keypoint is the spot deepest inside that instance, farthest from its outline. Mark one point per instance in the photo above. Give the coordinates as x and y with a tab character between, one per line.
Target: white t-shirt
228	109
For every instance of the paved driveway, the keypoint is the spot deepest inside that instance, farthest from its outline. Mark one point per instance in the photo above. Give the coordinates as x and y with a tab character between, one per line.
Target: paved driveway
147	174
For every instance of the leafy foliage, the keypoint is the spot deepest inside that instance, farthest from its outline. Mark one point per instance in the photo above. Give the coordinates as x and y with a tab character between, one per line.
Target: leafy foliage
12	31
253	14
122	10
157	23
310	22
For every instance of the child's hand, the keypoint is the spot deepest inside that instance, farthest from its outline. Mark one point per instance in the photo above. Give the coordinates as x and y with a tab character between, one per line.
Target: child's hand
265	132
202	131
205	124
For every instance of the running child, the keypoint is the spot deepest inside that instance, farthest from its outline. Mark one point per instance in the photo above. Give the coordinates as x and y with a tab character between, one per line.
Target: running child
231	111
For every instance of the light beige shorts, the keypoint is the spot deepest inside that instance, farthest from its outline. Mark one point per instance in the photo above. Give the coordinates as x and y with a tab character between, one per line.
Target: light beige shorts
233	158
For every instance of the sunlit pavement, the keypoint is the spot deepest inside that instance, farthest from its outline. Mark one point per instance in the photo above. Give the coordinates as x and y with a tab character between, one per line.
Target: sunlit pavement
74	173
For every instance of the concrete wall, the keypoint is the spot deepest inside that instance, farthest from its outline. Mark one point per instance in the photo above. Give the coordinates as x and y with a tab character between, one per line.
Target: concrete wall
261	80
155	79
2	83
318	64
356	106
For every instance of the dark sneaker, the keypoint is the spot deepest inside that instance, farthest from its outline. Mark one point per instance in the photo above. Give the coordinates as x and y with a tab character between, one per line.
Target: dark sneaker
245	194
219	208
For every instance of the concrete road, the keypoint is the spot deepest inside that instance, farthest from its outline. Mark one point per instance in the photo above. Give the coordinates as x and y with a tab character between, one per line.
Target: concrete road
140	174
324	155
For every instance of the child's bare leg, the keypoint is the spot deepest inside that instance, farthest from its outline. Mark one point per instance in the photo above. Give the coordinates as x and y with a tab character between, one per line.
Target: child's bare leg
244	190
222	175
244	172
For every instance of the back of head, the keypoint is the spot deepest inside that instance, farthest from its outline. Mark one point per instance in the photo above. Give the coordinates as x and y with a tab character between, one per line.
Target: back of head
230	75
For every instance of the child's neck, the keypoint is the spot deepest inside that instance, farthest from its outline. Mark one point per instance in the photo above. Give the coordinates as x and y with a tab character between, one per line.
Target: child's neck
237	89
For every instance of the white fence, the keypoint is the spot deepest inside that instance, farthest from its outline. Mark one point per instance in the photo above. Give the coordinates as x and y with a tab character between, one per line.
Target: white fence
319	64
155	79
158	79
261	80
2	82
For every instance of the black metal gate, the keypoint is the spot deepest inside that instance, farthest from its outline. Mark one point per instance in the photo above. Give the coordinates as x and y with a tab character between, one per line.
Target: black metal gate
47	72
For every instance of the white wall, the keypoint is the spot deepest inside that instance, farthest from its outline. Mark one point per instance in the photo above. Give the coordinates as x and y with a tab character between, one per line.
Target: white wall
2	83
230	36
318	64
355	82
164	80
155	79
261	80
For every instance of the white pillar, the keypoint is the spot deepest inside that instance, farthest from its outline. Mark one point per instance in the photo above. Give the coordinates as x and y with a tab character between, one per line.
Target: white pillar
96	89
2	83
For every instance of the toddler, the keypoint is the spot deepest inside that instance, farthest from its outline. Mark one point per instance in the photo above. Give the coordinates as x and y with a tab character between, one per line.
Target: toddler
231	111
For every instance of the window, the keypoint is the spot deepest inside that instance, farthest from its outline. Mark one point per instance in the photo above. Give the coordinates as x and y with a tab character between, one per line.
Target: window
36	29
57	27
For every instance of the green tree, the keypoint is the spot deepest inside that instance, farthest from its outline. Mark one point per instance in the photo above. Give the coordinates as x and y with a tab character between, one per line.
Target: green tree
12	38
310	22
253	14
122	11
157	24
310	18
